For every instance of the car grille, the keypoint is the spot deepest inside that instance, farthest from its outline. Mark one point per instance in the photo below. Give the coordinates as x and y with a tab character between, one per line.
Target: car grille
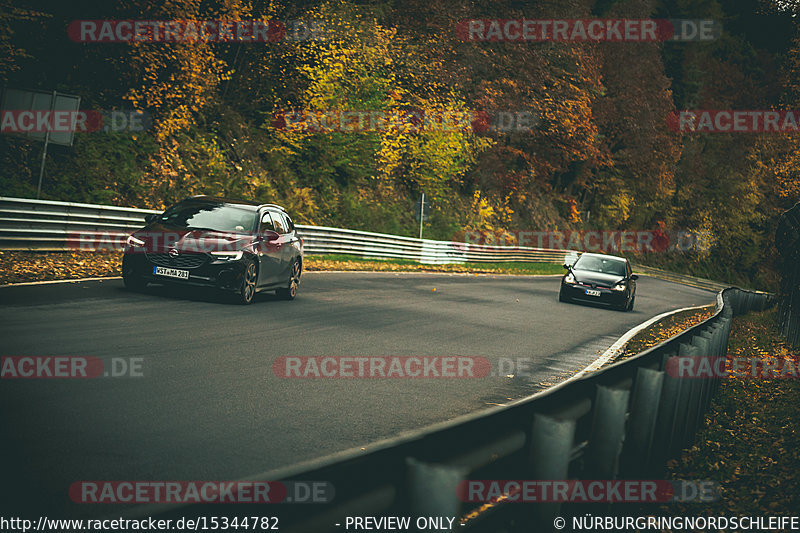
187	260
593	285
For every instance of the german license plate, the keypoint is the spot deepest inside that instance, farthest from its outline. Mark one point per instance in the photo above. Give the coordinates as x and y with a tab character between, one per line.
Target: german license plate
171	272
592	292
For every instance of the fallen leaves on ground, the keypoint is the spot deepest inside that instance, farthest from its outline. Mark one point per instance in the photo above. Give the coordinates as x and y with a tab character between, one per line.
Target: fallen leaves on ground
750	441
24	266
19	267
664	329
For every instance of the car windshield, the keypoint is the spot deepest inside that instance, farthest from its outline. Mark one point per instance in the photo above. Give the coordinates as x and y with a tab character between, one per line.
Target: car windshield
599	264
213	217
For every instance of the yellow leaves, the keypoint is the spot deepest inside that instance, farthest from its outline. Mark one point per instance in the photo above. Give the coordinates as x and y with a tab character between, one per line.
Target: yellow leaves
665	329
489	214
19	267
574	216
483	211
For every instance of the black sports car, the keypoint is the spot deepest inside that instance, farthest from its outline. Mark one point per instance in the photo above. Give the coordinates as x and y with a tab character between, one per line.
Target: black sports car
600	279
237	246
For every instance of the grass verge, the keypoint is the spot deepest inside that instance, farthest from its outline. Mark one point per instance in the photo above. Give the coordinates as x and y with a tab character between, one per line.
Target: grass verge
24	266
348	262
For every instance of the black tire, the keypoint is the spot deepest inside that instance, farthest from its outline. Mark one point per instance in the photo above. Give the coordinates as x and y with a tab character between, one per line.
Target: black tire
247	287
290	291
630	305
561	297
134	283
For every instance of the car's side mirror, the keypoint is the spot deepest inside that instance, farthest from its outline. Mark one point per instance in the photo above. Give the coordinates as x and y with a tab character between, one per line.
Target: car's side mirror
565	266
150	218
271	236
634	276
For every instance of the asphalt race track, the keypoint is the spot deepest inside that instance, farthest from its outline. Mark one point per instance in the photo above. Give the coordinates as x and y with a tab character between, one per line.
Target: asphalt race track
208	405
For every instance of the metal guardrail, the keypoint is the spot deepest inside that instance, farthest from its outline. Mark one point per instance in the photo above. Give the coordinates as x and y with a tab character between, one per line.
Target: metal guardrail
27	224
700	283
621	422
47	225
787	240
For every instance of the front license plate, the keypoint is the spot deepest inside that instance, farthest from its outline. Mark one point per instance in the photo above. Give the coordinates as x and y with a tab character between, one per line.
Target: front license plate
592	292
171	272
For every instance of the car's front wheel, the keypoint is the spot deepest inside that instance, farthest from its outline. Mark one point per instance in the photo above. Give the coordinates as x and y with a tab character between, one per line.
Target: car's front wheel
133	282
247	287
561	297
290	291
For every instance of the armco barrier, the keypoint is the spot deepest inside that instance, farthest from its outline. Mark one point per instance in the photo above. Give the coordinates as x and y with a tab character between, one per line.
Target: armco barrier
45	225
621	422
787	240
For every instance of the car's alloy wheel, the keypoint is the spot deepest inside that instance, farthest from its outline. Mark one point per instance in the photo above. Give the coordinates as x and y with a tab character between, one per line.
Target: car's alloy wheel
294	282
247	290
630	305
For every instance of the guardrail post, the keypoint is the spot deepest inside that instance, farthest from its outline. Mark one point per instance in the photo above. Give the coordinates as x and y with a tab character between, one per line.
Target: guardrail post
687	402
741	306
683	407
730	301
665	420
608	432
551	449
642	422
433	488
725	322
699	389
717	331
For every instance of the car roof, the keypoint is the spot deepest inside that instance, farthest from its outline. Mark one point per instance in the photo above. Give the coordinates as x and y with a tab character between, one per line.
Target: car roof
233	201
604	256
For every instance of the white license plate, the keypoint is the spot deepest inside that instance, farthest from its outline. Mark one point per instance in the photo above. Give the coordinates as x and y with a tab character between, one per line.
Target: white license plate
592	292
171	272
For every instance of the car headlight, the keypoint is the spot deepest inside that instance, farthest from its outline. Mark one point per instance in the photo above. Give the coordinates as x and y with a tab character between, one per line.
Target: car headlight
133	241
228	256
570	279
619	287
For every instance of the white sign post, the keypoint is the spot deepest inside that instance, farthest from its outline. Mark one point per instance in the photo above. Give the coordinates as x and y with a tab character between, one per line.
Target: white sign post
16	101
